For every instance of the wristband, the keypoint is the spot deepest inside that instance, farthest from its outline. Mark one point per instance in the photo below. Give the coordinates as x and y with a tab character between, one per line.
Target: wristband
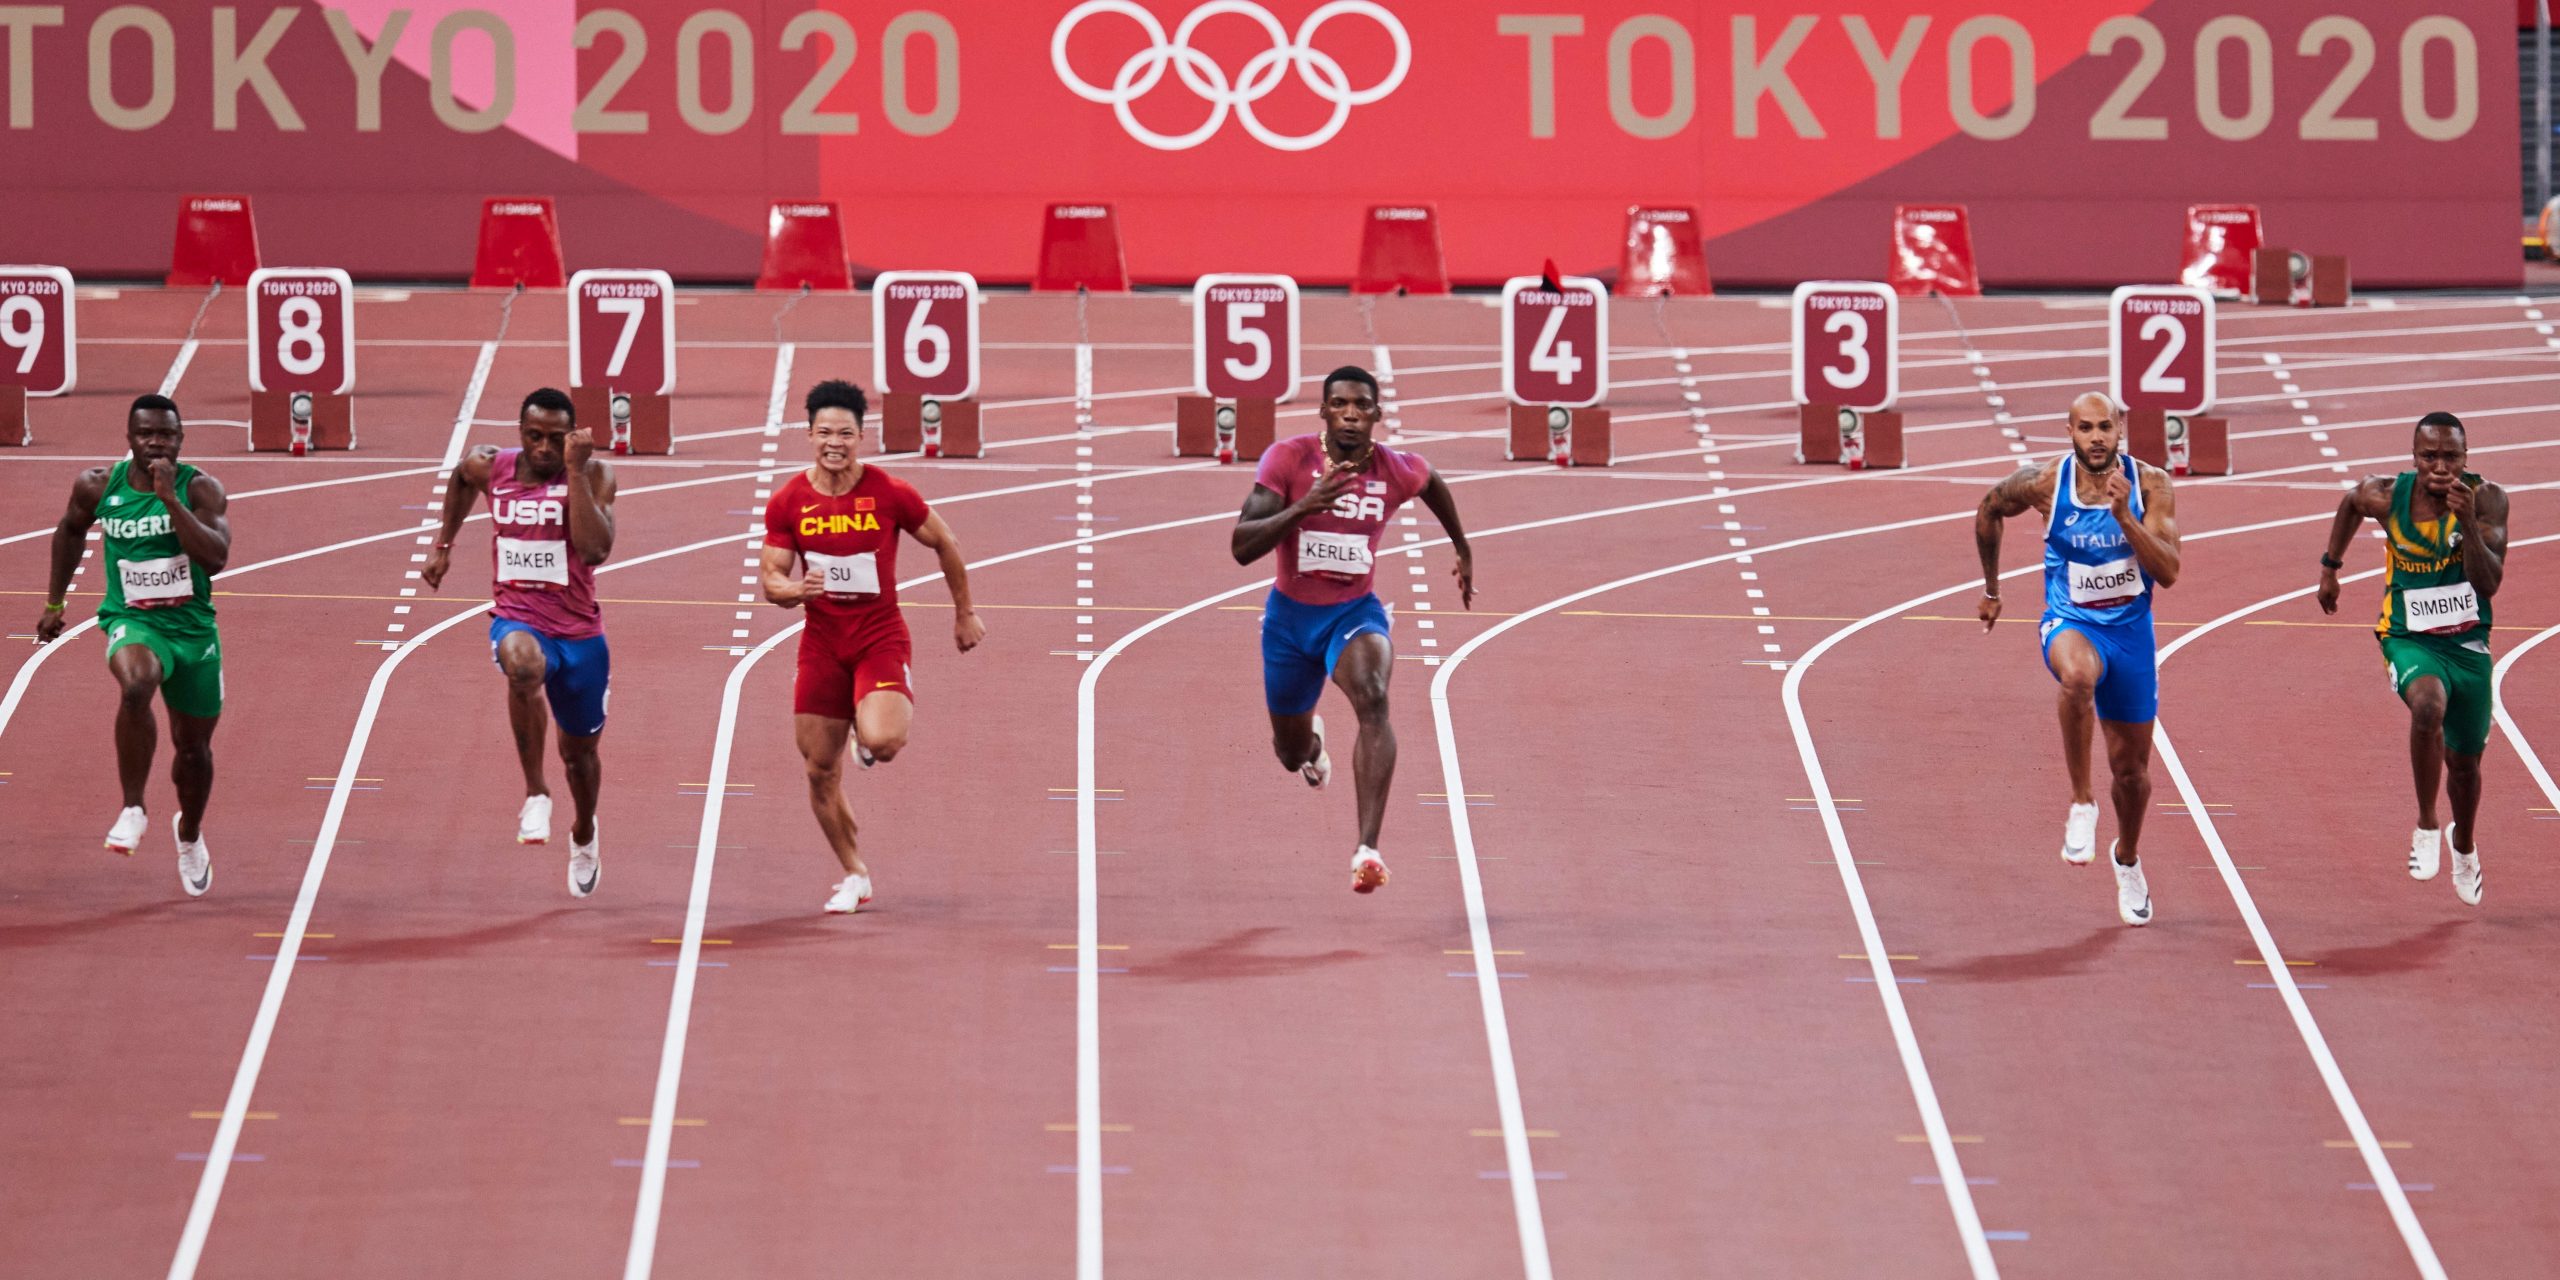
54	606
2328	561
444	546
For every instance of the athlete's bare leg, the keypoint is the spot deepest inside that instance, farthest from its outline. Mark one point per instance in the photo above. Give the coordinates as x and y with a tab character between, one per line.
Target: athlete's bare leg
2425	696
137	671
880	723
578	759
2462	786
2129	766
2075	662
1293	739
191	767
1361	673
822	749
521	658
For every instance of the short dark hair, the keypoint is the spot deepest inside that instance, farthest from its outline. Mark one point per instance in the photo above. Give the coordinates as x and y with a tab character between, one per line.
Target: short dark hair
836	393
2442	419
1350	373
155	400
549	400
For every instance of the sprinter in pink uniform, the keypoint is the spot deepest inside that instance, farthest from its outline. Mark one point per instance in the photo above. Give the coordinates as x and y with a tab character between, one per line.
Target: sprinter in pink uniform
1319	506
551	500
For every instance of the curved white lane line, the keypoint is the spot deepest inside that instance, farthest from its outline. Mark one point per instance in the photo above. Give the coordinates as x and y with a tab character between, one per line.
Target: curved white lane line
2515	736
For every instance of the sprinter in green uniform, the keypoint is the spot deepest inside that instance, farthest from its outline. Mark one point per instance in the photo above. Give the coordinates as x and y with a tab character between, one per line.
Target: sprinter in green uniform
2445	543
161	554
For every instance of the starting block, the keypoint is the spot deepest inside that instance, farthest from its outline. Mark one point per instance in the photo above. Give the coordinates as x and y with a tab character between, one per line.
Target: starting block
2220	241
39	345
1854	438
2284	277
217	242
302	360
911	423
1228	430
1400	251
804	248
1555	369
519	245
1080	249
1663	254
1933	251
1565	436
927	375
622	357
1244	363
2182	444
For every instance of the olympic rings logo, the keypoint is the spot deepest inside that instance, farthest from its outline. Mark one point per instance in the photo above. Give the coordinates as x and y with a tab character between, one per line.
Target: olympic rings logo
1318	70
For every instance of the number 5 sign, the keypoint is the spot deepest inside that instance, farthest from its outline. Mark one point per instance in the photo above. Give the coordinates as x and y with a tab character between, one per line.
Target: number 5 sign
622	331
302	330
924	334
1847	344
1555	342
2160	348
1244	337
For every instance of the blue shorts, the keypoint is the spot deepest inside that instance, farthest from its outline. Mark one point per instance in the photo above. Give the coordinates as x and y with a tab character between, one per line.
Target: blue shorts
1301	642
575	676
2128	666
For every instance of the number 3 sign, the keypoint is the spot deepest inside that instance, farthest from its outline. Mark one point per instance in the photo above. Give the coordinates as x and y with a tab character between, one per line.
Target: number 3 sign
1846	348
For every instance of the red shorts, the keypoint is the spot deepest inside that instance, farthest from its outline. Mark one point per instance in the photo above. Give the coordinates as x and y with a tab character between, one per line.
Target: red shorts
838	671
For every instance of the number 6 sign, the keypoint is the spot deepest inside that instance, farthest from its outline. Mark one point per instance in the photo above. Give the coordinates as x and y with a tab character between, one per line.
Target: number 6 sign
1555	342
622	331
2160	348
1244	337
302	330
924	334
1847	344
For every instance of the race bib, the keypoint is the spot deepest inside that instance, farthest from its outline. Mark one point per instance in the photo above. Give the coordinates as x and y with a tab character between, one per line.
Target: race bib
157	584
527	560
2451	607
853	575
2109	583
1347	554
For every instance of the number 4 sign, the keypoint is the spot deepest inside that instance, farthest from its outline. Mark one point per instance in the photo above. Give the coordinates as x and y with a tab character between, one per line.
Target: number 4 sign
2160	348
1555	342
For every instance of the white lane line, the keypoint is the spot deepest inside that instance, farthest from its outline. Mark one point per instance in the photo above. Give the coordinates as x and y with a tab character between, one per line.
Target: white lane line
178	368
2515	736
777	401
470	406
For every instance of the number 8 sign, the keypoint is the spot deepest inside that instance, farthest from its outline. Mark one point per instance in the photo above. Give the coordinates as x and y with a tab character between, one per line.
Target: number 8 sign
2160	348
1846	344
1555	342
302	330
924	334
622	331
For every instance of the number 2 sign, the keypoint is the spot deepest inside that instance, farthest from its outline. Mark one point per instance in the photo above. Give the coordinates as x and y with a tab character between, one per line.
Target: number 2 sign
622	331
924	334
2160	348
1846	348
1555	342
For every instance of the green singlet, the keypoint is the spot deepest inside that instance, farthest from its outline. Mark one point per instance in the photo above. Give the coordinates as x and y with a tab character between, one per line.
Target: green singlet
157	596
2433	622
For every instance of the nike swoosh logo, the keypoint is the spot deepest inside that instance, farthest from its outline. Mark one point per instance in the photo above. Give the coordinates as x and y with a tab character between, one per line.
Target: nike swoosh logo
811	507
885	684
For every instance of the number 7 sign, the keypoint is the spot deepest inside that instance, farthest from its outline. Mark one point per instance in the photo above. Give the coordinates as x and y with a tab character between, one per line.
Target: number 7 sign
2160	348
622	331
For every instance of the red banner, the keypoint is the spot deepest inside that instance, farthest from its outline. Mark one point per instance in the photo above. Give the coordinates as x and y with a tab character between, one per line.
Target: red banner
1250	136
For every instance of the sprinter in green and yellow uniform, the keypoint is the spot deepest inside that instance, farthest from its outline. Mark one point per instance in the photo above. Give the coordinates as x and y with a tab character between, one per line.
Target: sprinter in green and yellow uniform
161	552
2445	540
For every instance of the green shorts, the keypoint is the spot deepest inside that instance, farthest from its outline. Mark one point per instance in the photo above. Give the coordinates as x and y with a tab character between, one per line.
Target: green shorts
2464	672
190	664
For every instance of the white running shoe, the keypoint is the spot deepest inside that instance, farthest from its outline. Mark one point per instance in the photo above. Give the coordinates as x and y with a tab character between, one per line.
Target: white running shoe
2466	876
1316	771
850	895
533	821
862	756
2426	850
195	861
2133	893
127	832
586	861
2080	835
1368	870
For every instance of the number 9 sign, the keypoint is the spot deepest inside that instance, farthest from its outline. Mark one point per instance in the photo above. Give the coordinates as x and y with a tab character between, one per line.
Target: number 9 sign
622	331
924	334
1847	344
2160	348
1244	337
1555	342
302	330
38	350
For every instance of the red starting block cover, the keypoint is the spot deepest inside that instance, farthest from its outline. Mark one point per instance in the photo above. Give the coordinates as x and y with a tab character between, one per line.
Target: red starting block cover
217	241
804	245
1080	246
519	244
2220	238
1933	250
1400	250
1663	254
